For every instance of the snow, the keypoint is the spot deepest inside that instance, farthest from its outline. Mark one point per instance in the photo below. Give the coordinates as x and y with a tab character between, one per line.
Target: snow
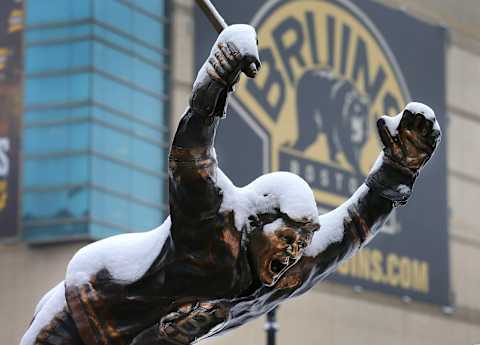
126	257
331	225
377	164
403	189
393	122
242	35
420	108
279	190
275	225
52	303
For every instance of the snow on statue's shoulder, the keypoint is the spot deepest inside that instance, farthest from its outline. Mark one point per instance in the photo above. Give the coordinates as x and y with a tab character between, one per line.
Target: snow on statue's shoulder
126	257
279	190
331	225
52	303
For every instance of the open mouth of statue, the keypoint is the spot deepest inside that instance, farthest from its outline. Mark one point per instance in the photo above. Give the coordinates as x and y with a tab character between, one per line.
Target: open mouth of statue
279	265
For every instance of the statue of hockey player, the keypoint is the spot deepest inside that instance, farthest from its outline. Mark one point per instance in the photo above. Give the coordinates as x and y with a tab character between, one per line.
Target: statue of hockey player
226	255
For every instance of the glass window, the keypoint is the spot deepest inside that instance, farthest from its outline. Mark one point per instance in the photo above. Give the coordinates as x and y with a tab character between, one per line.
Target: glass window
122	18
112	94
147	155
67	203
44	58
147	187
110	175
58	138
72	31
148	132
48	115
126	99
109	208
41	11
52	232
113	61
98	231
128	68
125	123
55	171
59	89
123	179
144	218
127	148
156	7
148	76
127	43
148	29
113	13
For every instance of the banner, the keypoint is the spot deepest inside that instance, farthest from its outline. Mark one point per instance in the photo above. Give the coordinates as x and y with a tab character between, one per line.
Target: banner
330	69
11	75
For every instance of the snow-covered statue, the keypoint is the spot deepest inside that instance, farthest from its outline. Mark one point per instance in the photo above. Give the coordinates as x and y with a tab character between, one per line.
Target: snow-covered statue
226	255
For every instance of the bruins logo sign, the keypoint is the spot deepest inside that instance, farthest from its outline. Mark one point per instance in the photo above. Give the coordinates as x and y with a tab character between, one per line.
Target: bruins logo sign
327	76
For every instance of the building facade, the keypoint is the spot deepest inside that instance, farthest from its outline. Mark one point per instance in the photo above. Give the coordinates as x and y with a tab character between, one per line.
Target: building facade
95	132
95	119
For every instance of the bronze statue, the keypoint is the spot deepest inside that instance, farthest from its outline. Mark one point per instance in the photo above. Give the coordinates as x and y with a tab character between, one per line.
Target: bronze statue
226	255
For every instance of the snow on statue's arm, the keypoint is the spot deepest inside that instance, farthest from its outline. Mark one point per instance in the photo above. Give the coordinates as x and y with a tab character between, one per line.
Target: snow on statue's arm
409	140
194	195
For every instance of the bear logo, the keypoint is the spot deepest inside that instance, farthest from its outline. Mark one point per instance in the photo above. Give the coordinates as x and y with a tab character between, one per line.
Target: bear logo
333	107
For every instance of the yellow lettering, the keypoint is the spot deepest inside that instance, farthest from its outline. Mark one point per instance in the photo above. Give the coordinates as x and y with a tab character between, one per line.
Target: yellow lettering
405	273
376	260
392	269
420	276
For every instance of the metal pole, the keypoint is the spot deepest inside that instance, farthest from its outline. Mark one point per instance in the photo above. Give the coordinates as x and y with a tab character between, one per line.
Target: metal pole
271	326
212	14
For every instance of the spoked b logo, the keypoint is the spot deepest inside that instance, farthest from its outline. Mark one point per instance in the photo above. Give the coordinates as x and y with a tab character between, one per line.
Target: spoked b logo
327	75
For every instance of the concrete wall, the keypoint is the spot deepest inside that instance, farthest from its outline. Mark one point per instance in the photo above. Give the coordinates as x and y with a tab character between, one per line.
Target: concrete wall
26	274
330	314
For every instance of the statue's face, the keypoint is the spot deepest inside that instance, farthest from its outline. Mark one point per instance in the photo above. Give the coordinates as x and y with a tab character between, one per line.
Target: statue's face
276	250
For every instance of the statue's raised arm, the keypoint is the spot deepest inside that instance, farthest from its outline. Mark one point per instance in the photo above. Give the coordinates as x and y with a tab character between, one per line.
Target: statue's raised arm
409	140
193	191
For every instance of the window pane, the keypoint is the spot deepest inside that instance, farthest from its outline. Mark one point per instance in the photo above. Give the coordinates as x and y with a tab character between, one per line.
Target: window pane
118	120
46	58
148	76
127	43
98	231
148	29
153	6
110	175
61	89
41	11
147	187
128	68
128	100
109	208
48	115
127	148
55	232
72	31
144	218
113	13
68	203
56	171
123	179
59	138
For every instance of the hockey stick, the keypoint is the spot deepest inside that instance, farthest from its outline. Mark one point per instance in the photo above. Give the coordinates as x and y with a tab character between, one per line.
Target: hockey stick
212	14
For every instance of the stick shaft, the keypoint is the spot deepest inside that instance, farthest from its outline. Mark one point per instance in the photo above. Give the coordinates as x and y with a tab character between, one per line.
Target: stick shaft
212	14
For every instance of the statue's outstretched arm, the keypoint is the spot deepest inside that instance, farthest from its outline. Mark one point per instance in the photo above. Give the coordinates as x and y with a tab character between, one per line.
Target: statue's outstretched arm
409	141
194	196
